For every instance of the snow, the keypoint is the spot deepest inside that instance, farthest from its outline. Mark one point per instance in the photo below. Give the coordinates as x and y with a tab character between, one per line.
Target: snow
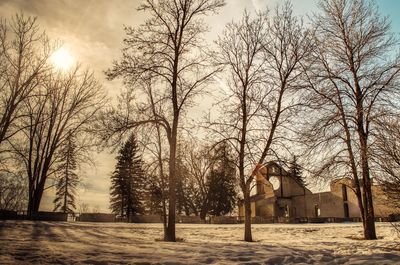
25	242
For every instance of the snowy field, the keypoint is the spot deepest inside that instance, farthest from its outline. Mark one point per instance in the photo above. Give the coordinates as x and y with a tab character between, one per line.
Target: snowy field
25	242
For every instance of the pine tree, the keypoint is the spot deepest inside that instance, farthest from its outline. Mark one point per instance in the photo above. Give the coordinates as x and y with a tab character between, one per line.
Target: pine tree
221	182
127	181
66	185
296	171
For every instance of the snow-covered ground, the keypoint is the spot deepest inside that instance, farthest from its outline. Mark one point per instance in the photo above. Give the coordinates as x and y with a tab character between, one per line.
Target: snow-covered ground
25	242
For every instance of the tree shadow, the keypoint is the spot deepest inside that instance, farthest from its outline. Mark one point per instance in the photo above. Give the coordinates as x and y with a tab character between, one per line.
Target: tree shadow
89	243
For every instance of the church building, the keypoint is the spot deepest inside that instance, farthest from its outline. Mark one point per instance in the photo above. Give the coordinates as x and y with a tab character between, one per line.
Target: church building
281	197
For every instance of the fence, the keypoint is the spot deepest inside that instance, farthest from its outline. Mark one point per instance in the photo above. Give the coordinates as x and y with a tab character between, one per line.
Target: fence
39	216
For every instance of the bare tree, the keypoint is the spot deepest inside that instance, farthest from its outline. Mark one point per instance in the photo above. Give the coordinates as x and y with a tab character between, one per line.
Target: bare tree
353	82
83	207
24	51
168	49
241	51
13	191
65	104
194	164
263	57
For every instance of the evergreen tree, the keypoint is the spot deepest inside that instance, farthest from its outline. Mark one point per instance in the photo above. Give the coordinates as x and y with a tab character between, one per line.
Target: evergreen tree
296	171
66	185
222	182
127	181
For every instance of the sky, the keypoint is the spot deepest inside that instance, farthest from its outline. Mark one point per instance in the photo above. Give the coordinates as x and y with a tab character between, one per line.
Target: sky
92	31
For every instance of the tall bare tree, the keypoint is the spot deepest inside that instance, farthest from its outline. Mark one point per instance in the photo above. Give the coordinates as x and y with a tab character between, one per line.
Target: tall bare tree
167	48
353	82
24	51
263	58
65	104
241	51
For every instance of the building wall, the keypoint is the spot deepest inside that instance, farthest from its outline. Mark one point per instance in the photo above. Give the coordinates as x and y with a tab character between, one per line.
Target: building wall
299	205
289	187
383	207
325	204
253	209
268	190
265	207
338	188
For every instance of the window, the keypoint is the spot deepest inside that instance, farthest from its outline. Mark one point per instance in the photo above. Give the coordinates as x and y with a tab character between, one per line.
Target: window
344	192
287	211
317	211
275	182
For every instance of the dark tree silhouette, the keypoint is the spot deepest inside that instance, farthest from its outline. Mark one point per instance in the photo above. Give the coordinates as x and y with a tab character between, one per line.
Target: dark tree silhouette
39	105
128	181
24	51
64	103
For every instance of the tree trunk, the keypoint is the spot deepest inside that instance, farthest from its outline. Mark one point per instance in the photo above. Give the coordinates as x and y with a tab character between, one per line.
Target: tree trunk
369	227
369	222
36	193
164	216
204	212
37	197
170	235
247	217
30	198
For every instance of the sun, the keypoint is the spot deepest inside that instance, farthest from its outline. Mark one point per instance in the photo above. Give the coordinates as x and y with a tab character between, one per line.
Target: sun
62	59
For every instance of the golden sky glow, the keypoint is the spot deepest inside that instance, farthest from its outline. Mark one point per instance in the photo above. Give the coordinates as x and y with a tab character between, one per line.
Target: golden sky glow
62	59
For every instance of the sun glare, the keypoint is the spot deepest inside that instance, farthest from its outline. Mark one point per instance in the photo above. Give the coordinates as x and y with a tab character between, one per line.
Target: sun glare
62	59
